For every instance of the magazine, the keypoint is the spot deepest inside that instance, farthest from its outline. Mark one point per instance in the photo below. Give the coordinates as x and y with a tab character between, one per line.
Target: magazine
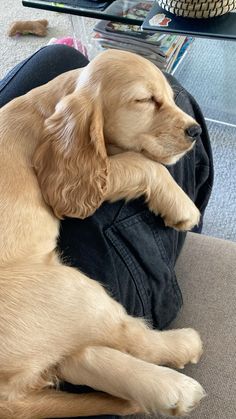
139	10
174	52
134	31
130	9
107	43
124	33
161	49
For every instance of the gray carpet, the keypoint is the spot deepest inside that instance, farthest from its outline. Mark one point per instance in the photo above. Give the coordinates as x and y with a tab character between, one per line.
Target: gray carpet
13	50
220	217
208	72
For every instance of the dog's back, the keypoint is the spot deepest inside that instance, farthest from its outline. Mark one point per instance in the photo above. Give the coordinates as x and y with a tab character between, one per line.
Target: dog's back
28	231
27	225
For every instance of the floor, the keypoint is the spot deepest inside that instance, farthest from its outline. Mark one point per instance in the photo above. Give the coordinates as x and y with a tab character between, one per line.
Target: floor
208	73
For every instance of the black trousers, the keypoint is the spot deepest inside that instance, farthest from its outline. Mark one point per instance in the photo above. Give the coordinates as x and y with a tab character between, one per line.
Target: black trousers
124	246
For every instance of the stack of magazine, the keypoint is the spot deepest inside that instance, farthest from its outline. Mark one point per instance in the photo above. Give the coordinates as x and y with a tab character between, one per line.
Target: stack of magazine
163	50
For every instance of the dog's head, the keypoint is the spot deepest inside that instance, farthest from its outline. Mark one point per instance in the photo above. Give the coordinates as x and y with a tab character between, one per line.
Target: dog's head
139	109
120	100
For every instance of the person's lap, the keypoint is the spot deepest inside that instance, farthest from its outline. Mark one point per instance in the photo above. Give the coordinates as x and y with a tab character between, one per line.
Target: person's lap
38	69
124	246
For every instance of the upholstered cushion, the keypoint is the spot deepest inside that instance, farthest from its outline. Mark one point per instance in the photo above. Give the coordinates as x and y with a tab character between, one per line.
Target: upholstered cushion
206	270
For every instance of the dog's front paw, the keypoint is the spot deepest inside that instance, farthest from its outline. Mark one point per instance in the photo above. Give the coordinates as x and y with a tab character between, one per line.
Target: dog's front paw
166	391
184	217
184	346
183	396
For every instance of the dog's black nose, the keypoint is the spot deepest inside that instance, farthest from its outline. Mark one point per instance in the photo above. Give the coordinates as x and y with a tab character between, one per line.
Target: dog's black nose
193	131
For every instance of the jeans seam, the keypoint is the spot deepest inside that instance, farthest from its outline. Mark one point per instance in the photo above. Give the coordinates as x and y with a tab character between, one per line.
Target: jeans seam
120	250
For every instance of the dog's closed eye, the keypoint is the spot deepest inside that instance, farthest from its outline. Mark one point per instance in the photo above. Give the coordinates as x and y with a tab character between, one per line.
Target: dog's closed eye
149	100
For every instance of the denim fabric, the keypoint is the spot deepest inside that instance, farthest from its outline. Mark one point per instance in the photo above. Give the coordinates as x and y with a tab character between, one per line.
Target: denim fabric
124	246
41	67
129	249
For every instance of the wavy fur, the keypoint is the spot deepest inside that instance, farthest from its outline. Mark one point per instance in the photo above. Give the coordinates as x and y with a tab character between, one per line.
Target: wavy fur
65	147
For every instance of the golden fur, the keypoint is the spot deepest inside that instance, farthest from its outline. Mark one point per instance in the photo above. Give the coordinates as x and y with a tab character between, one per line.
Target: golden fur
93	134
34	27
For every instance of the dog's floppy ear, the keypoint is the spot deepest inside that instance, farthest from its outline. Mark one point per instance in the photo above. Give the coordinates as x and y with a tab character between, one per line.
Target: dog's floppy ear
71	161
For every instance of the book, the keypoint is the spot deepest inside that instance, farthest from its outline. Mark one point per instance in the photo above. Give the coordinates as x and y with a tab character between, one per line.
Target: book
221	27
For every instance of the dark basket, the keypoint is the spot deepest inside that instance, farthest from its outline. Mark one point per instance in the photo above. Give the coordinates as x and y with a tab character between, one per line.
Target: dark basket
198	8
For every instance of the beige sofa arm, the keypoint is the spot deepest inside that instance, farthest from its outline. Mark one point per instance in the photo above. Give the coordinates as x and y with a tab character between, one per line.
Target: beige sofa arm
206	270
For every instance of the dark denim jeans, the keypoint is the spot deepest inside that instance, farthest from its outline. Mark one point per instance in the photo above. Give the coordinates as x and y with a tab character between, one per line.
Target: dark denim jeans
125	246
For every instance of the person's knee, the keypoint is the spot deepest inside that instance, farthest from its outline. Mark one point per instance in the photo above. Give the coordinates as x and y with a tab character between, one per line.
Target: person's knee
63	55
173	82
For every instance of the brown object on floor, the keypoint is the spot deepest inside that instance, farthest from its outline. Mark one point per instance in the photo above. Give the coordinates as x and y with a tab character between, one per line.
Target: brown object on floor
25	27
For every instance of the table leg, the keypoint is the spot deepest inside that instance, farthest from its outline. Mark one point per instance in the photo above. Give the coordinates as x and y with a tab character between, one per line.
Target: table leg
82	33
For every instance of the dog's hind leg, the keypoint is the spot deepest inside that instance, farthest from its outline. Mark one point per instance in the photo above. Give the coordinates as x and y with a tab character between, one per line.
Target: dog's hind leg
52	403
154	388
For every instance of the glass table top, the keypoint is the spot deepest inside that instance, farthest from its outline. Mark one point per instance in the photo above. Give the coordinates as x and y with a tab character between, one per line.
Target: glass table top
134	12
124	11
208	71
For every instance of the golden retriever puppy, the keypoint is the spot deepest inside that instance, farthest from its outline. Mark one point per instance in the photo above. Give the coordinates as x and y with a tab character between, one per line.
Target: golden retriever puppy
99	133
